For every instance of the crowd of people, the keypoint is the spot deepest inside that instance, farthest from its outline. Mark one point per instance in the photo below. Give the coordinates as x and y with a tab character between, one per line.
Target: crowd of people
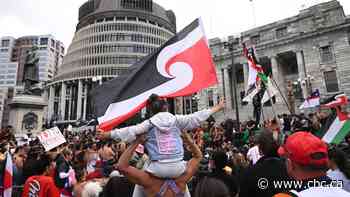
185	155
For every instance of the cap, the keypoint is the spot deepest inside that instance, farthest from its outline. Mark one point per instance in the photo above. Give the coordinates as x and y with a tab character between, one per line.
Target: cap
306	149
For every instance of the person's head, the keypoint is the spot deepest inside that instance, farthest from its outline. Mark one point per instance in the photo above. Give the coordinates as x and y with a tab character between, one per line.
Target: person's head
220	160
118	185
44	164
156	104
67	154
306	156
338	160
266	143
211	187
19	159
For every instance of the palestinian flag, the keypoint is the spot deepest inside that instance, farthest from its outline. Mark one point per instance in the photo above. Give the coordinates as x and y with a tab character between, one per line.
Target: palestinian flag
256	77
337	131
338	123
181	67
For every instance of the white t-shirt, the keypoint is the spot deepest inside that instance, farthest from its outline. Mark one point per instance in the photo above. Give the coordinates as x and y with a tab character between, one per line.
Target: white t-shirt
337	175
254	154
323	192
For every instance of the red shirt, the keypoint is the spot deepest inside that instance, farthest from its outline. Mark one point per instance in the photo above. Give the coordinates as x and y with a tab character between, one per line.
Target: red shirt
40	186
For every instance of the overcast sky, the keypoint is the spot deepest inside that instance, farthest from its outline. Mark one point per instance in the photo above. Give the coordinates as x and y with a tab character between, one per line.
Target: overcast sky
221	17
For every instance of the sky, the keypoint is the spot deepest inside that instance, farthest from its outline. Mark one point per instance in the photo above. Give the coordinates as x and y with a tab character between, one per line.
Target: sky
221	17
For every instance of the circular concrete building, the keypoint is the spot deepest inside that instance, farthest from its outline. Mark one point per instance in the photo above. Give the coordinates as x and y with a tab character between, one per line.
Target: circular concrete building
111	35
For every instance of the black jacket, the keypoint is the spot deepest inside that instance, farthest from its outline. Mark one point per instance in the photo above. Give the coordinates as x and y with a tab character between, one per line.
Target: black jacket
269	168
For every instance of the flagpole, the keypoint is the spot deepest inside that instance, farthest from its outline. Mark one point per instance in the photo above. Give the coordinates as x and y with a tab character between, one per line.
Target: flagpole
283	98
272	104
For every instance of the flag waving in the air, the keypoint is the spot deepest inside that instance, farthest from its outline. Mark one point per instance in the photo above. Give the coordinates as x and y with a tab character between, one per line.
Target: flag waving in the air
8	174
257	78
312	101
339	124
182	66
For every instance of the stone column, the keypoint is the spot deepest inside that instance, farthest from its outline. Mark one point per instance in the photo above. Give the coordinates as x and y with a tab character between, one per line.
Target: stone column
215	97
69	98
228	96
278	78
63	99
302	73
51	102
85	101
179	105
79	102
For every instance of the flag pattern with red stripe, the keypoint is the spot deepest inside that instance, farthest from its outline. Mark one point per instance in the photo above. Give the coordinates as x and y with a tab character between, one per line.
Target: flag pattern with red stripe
181	67
8	176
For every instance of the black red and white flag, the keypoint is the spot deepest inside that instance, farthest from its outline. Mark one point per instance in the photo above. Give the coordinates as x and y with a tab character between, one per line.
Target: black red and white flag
182	66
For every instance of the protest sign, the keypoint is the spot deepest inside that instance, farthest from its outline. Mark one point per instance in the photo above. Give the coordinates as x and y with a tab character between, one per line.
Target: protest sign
51	138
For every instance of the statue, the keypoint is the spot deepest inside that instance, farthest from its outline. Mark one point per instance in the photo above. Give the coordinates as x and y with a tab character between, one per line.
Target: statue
31	73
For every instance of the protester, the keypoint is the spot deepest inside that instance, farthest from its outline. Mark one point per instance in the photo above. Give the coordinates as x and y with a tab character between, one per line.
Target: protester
65	175
269	167
220	162
307	161
152	185
253	154
211	187
41	184
164	143
339	167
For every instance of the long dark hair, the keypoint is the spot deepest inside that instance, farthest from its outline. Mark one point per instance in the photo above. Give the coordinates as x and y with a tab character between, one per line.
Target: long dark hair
155	104
340	158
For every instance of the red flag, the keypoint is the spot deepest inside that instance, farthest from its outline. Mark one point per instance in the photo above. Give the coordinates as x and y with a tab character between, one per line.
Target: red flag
8	176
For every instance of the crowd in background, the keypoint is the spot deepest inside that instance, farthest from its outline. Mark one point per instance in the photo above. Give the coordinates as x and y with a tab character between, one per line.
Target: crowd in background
235	156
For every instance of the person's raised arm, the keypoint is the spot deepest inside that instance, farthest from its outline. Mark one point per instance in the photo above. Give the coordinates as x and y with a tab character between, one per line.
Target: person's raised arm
193	164
134	175
127	134
192	121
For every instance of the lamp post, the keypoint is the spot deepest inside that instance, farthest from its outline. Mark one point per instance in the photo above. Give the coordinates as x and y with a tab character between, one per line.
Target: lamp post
230	47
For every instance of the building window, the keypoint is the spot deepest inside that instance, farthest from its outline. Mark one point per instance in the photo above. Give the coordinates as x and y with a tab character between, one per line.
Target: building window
5	43
44	41
281	32
326	54
255	39
331	80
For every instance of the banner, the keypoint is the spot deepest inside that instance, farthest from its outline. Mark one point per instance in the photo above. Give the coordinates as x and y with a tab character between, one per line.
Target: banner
51	138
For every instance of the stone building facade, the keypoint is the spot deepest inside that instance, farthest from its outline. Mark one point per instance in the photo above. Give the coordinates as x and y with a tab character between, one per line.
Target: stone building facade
311	49
111	35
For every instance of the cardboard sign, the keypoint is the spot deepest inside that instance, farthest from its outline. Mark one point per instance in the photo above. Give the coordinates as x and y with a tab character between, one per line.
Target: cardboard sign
51	138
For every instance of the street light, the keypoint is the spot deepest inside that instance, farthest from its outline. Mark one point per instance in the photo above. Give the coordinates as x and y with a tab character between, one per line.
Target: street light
230	46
